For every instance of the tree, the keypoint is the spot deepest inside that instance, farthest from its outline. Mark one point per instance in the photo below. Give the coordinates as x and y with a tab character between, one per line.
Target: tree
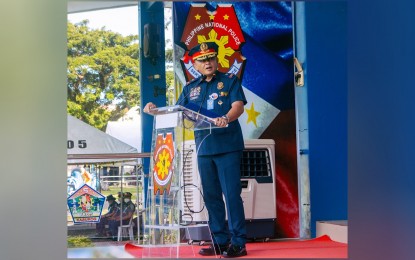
169	55
103	74
170	88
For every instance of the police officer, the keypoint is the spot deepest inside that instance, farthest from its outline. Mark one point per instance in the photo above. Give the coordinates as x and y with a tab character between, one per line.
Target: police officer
120	198
128	209
113	209
219	150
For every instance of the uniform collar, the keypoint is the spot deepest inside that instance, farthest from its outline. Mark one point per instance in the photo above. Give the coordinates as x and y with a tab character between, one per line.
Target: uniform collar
203	78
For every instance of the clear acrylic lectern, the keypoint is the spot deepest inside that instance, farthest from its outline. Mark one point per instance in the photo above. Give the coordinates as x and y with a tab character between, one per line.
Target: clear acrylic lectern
161	217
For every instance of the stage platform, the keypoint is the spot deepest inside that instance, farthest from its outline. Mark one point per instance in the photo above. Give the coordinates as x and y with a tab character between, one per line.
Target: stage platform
335	229
321	247
330	242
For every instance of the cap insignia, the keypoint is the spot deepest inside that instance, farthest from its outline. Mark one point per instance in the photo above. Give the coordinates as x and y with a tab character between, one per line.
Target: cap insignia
203	47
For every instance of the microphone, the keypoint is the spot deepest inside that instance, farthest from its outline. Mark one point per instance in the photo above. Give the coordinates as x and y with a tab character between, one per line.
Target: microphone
204	95
179	102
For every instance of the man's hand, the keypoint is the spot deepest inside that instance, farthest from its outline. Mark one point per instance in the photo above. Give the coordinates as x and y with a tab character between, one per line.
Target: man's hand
221	121
148	107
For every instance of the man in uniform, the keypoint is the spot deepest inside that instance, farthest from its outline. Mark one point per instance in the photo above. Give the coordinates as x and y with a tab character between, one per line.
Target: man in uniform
120	198
113	209
128	209
219	151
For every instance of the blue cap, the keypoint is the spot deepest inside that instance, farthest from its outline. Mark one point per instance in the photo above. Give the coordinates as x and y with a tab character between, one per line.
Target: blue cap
204	50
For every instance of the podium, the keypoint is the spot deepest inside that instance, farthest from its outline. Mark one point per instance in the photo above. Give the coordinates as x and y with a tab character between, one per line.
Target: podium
162	215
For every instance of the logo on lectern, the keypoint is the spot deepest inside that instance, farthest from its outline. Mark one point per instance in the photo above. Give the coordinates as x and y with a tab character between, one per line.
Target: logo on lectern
163	163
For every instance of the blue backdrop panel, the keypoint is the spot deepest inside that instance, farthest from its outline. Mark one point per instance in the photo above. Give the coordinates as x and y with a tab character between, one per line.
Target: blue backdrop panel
326	68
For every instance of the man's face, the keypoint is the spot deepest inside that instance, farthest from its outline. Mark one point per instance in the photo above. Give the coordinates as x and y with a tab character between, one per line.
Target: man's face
207	66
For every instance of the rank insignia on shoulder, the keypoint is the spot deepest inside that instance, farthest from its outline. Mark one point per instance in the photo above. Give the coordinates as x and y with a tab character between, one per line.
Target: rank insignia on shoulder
220	85
230	75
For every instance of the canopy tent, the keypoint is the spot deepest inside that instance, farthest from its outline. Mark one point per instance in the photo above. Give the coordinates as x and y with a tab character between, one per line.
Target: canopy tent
85	140
128	132
128	128
88	145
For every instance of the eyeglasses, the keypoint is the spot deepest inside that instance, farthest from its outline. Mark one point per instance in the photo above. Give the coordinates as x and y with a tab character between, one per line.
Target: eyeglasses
207	59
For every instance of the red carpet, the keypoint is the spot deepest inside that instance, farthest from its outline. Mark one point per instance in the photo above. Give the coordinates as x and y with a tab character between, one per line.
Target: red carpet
321	247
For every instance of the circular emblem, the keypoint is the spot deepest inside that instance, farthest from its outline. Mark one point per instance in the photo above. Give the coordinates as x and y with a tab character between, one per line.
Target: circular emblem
213	96
163	162
220	85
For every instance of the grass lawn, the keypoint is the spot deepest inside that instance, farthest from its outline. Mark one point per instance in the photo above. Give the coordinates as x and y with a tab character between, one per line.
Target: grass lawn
114	191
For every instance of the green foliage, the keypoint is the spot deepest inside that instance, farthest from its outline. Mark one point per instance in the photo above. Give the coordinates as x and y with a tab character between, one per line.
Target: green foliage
169	55
103	74
170	87
79	241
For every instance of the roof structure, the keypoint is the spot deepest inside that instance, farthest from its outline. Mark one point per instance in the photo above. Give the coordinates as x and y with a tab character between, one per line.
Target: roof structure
84	139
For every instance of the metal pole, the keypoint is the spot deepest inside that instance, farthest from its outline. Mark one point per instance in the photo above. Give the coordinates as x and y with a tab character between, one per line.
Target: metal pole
299	37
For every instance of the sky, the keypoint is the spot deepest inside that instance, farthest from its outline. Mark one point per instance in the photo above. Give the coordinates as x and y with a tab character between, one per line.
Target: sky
123	20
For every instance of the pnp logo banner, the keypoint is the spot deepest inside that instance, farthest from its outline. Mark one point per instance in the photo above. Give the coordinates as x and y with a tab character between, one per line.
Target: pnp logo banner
221	27
85	205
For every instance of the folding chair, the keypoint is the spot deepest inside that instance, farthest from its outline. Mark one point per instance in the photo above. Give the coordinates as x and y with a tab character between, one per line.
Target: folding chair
126	230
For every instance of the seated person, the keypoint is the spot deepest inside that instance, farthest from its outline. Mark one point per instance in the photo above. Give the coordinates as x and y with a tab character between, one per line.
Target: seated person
128	209
120	198
113	209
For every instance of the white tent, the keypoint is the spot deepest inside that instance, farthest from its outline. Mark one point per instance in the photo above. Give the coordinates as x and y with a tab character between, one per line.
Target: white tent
126	131
88	145
127	128
85	140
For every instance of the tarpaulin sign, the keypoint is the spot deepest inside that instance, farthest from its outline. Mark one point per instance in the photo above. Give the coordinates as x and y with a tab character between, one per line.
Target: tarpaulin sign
85	205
